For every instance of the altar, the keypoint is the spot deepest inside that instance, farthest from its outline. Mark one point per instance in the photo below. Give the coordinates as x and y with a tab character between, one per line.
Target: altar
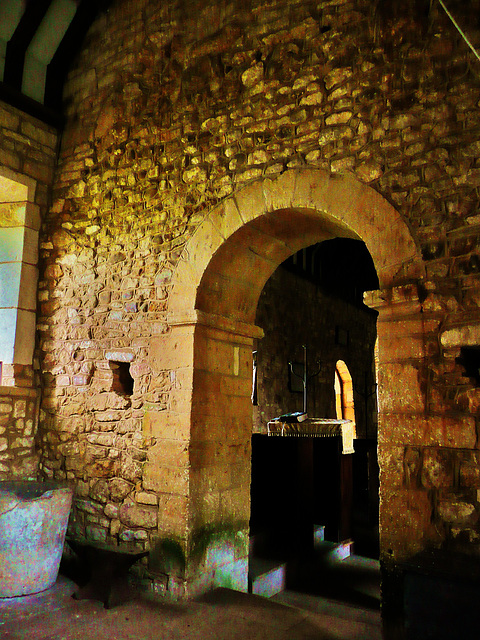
316	428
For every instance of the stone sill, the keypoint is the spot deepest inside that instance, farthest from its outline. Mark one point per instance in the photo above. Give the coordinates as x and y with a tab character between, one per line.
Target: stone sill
18	392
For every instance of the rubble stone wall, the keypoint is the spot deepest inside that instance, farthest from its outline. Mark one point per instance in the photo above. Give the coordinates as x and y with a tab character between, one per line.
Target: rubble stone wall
18	426
171	108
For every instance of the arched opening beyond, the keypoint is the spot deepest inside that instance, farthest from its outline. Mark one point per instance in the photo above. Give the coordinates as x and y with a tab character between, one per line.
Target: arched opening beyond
344	392
212	306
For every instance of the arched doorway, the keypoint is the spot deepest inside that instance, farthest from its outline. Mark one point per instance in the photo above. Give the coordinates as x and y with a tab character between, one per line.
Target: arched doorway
212	305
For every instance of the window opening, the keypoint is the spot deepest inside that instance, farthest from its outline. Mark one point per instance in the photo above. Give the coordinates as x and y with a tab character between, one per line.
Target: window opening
122	378
19	223
344	392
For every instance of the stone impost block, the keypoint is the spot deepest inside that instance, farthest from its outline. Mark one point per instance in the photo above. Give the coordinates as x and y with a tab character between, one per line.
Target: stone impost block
461	336
223	328
217	357
395	302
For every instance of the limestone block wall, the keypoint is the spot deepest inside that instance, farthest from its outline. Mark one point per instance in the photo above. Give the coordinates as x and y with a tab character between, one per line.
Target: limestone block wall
293	312
170	111
27	159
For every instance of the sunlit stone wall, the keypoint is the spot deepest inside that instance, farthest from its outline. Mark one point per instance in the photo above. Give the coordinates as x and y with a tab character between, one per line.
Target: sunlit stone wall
173	107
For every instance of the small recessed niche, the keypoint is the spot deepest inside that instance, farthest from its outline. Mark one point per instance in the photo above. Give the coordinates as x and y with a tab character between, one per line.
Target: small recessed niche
469	359
122	378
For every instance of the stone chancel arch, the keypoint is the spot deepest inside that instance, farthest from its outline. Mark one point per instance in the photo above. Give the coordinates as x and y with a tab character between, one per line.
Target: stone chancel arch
275	217
212	304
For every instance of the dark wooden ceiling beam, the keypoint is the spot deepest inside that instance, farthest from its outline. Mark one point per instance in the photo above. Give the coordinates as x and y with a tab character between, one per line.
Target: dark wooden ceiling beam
20	41
70	45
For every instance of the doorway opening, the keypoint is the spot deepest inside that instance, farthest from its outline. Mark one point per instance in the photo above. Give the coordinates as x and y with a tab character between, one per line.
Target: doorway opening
215	292
307	496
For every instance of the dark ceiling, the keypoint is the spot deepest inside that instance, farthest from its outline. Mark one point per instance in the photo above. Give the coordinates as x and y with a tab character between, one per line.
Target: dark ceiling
342	267
38	42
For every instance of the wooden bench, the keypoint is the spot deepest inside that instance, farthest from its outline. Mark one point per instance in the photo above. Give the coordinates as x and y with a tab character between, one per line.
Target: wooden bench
107	570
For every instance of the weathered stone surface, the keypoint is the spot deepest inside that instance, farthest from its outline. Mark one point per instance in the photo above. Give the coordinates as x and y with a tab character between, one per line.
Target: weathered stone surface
420	430
406	523
100	491
400	386
457	512
103	401
134	515
469	471
437	470
461	336
119	488
17	430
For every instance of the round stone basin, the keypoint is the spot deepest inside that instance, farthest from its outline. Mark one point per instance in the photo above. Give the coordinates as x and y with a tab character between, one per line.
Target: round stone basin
33	523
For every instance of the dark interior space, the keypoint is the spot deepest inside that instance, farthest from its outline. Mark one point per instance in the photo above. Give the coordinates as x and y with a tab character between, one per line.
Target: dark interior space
311	503
342	267
295	484
299	484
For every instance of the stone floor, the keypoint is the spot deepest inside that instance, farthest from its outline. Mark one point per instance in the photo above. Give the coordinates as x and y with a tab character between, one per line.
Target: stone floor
220	615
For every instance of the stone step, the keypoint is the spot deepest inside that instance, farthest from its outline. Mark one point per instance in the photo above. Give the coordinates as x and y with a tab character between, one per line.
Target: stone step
266	577
334	551
318	534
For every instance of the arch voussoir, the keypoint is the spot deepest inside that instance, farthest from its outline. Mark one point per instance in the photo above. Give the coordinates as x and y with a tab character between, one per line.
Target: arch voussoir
279	192
250	201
